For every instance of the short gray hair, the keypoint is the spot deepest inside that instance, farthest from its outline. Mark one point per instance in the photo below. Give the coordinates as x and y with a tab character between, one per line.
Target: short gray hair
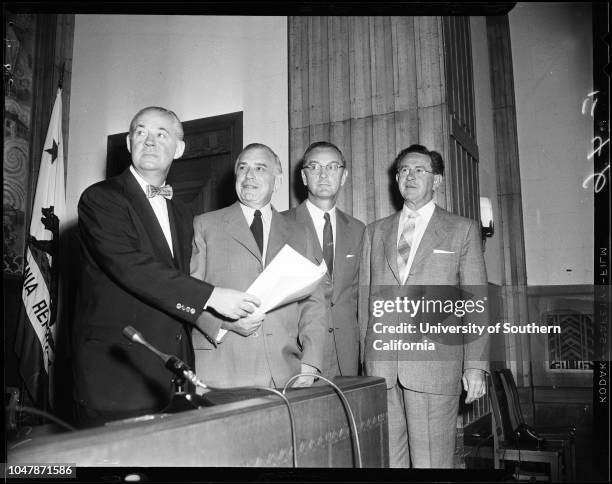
178	126
253	146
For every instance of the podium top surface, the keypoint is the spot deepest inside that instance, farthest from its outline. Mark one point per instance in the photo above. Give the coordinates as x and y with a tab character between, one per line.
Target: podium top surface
239	402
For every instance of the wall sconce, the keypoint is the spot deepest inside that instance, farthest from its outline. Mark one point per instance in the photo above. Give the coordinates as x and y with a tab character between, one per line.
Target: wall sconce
11	52
486	218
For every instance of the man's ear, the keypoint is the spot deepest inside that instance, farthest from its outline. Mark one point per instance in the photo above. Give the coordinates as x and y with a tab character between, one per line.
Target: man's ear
304	177
180	149
128	143
437	181
278	180
343	179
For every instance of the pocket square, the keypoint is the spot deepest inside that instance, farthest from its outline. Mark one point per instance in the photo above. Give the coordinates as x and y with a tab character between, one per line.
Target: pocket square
440	251
348	256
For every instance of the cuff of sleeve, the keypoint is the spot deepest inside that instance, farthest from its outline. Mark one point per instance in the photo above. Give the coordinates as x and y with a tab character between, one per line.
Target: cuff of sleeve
311	368
222	332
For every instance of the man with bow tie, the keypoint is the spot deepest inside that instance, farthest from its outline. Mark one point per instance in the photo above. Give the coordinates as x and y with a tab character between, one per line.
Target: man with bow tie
135	245
421	251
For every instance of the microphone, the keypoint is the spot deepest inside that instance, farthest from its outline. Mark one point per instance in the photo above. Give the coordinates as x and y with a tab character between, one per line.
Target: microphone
173	363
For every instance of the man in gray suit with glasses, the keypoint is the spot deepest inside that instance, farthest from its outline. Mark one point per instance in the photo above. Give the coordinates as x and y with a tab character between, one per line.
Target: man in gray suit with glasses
338	239
416	252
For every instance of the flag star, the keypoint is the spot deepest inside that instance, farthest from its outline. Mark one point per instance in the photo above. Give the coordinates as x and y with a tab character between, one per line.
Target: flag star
53	151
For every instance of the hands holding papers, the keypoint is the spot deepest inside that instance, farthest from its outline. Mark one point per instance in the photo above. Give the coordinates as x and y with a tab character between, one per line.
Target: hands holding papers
289	277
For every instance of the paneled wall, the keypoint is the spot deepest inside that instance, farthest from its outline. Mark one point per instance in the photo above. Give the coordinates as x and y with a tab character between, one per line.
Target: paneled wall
374	85
462	162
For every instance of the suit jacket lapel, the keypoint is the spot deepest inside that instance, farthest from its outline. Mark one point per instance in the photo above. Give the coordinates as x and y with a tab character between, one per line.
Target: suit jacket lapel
178	226
144	210
237	227
302	215
391	245
431	237
279	233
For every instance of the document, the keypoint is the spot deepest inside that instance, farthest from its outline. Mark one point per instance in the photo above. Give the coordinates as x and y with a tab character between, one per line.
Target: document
287	278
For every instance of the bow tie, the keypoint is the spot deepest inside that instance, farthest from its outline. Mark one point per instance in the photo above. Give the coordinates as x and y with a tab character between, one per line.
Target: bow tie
165	191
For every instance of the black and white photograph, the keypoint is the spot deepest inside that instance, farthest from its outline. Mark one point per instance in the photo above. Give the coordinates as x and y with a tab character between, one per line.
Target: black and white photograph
329	242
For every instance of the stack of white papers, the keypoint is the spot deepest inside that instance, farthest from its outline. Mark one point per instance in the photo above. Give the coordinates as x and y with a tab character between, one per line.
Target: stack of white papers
287	278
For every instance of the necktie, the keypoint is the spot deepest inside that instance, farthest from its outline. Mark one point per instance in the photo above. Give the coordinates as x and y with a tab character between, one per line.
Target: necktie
405	243
328	245
257	229
165	191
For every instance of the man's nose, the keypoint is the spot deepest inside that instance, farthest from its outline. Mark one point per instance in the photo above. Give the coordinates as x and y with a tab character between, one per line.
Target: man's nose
150	139
250	173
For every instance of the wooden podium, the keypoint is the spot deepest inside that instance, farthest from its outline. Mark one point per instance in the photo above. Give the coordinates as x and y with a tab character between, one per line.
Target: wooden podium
253	431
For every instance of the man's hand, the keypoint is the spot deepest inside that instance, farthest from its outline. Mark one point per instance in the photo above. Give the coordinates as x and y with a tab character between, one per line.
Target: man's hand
474	384
245	326
305	381
231	303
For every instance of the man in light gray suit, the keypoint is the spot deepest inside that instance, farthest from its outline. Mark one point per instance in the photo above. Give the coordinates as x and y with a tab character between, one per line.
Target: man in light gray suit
409	253
338	239
234	245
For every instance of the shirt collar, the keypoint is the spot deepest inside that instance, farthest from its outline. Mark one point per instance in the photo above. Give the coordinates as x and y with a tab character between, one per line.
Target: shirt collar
249	213
317	214
141	181
425	212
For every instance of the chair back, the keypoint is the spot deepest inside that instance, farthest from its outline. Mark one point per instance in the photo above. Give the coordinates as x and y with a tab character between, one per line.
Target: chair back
499	409
512	397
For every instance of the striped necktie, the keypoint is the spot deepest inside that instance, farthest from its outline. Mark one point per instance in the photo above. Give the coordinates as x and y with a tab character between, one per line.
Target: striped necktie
405	243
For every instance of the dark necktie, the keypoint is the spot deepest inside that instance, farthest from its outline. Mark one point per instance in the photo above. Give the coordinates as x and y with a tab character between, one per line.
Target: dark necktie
165	191
257	229
328	245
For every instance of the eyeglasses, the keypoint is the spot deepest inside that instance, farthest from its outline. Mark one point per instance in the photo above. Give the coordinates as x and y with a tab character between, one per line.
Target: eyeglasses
419	171
331	168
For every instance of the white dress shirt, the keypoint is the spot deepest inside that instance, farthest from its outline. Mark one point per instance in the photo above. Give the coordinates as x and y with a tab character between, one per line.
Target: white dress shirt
420	224
158	204
266	219
318	220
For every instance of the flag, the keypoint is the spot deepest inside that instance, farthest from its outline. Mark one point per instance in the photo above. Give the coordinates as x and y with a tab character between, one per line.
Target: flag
35	341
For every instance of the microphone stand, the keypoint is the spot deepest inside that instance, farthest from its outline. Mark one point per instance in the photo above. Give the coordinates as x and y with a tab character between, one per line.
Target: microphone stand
181	400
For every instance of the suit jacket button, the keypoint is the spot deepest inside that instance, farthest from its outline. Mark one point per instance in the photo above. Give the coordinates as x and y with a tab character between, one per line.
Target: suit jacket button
331	304
179	337
255	334
178	305
331	330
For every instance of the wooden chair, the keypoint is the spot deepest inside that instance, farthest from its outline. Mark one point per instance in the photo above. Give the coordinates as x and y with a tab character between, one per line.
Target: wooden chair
557	450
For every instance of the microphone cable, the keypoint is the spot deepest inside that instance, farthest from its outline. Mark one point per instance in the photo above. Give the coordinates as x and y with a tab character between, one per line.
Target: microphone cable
347	408
47	415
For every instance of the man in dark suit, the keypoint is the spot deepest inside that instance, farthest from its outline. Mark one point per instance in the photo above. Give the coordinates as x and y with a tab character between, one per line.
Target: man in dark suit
338	240
135	242
231	247
411	253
